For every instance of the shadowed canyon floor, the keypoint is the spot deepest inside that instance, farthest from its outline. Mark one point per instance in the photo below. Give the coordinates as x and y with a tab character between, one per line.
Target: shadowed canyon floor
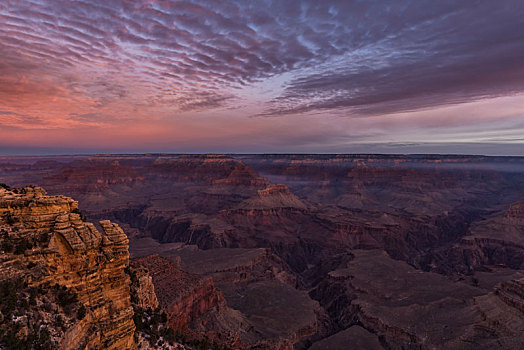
313	251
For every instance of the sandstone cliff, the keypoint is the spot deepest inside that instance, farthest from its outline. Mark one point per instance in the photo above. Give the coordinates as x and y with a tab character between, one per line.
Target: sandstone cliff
63	281
185	297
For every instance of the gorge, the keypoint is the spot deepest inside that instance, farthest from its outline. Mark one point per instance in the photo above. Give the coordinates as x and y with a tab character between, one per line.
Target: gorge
268	251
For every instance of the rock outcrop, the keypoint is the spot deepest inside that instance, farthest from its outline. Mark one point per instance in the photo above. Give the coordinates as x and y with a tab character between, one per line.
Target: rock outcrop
143	290
192	305
68	267
512	293
183	296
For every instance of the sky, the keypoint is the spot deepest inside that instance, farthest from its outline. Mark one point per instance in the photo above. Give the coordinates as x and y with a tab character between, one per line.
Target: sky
261	76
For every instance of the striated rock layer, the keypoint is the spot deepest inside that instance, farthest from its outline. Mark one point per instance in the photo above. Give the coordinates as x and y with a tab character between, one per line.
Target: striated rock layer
192	304
405	308
45	243
185	297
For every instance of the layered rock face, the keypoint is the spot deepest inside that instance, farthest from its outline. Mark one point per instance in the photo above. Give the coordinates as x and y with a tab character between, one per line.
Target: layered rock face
401	307
258	284
192	304
144	289
234	266
258	307
46	245
512	293
185	297
498	239
258	311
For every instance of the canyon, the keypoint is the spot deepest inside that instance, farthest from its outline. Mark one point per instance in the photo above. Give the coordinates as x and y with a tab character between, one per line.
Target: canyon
274	251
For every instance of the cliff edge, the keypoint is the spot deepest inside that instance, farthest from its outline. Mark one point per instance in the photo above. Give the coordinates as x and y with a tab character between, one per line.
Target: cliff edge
62	281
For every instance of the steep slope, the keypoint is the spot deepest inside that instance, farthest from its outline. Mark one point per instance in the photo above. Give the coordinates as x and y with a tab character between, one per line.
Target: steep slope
73	275
407	308
496	240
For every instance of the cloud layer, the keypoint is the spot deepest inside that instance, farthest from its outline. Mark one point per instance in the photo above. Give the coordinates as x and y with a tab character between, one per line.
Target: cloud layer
188	67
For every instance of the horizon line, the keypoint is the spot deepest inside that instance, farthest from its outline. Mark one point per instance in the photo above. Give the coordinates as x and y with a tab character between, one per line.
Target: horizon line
256	153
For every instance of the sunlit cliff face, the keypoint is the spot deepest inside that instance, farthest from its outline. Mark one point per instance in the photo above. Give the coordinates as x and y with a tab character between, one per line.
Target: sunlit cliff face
261	76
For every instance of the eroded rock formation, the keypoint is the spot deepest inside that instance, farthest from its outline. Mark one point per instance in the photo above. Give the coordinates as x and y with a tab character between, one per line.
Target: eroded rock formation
47	247
185	297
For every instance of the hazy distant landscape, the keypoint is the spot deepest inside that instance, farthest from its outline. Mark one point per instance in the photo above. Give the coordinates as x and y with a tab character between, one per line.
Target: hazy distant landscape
314	250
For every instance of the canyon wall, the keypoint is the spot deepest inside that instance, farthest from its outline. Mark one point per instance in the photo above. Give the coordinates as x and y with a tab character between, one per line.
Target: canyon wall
71	273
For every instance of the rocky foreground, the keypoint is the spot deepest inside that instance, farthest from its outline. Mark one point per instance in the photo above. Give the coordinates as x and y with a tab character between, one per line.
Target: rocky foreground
63	281
65	284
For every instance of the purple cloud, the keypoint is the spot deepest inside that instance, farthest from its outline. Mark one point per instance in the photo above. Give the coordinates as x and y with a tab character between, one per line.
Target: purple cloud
93	63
